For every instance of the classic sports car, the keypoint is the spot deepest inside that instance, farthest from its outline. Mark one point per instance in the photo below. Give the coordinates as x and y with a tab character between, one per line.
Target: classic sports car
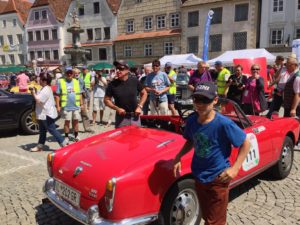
16	112
125	176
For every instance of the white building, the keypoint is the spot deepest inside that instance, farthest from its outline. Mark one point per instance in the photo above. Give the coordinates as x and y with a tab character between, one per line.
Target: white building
280	24
99	22
13	15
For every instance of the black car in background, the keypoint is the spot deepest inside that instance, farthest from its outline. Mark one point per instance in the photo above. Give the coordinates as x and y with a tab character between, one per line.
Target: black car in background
16	112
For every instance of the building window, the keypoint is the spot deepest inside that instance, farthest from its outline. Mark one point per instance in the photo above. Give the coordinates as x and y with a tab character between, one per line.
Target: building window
10	39
239	40
32	57
215	43
36	15
278	5
297	32
241	12
4	23
129	26
102	54
89	34
298	4
148	23
55	55
174	20
39	54
96	7
81	10
47	55
193	19
139	1
38	35
14	22
127	51
1	41
106	33
12	59
20	38
98	35
3	61
217	17
44	14
89	56
168	48
54	34
148	49
30	36
46	35
21	59
193	45
277	37
161	21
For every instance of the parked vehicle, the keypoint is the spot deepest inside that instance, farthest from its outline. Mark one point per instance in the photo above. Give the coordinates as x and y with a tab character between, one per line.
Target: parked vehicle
16	111
182	86
125	176
3	82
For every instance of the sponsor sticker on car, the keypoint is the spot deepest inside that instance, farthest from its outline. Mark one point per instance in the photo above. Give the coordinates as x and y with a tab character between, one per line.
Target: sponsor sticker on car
67	193
252	158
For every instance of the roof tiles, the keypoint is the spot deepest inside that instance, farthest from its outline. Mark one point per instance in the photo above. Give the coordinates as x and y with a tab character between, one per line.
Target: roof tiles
21	7
114	5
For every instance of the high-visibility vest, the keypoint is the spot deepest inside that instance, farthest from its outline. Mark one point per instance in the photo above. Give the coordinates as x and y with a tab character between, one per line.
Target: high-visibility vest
64	92
86	79
221	81
172	89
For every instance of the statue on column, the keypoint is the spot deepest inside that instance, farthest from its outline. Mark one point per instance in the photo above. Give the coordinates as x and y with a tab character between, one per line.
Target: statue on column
75	18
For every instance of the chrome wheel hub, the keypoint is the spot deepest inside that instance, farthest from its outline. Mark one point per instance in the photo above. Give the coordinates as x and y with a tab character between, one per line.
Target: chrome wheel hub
185	209
286	158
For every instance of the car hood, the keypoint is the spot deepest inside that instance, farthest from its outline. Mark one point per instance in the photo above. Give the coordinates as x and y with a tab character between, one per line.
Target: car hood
107	155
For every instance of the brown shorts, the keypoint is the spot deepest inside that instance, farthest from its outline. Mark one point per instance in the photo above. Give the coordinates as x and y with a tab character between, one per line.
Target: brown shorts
213	198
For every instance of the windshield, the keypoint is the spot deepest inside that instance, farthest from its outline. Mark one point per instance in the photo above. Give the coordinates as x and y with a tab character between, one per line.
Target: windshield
182	78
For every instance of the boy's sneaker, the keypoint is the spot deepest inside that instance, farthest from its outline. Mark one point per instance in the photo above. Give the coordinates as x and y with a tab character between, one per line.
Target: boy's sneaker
66	141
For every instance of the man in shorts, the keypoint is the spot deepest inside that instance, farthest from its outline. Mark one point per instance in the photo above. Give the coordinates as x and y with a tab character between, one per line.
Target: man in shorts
172	91
68	102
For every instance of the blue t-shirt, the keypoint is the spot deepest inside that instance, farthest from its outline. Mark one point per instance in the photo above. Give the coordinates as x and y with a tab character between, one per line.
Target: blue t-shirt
212	145
71	102
159	82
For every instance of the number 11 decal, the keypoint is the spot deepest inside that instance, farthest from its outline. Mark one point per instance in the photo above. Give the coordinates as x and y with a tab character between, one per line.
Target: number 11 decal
252	158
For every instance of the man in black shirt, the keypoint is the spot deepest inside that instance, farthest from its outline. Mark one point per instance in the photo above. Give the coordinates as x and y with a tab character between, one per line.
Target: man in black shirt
125	90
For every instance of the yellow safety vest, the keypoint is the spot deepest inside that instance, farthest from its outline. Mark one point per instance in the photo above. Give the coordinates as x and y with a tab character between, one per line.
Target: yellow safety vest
64	94
86	80
221	81
172	89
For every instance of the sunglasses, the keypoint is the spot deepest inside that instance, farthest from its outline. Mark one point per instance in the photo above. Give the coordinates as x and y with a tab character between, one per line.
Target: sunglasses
255	69
121	68
202	100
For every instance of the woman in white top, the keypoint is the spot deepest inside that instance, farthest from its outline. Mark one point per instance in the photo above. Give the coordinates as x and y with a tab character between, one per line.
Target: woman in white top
46	112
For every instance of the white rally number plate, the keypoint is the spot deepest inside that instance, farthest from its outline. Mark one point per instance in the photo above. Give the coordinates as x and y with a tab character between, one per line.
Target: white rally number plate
67	193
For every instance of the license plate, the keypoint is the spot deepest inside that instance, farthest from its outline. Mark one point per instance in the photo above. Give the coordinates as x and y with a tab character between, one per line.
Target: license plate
67	193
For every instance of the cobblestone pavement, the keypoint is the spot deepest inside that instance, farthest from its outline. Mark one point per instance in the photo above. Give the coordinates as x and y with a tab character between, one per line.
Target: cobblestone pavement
260	201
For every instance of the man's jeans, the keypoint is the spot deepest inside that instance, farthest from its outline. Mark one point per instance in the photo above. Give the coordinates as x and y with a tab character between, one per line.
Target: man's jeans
49	125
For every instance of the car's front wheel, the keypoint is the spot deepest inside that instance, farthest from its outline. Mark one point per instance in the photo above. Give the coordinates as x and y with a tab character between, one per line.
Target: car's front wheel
181	205
284	165
28	123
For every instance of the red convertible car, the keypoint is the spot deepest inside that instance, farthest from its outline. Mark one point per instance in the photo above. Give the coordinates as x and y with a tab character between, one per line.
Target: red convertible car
125	176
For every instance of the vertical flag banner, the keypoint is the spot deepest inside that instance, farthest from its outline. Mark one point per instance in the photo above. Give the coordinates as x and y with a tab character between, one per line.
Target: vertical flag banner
206	35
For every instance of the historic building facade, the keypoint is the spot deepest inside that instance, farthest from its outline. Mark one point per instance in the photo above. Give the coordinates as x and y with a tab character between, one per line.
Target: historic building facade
148	30
98	19
13	15
235	25
44	31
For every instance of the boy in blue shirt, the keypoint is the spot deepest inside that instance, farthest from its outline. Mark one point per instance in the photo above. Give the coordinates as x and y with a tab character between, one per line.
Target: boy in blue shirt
212	135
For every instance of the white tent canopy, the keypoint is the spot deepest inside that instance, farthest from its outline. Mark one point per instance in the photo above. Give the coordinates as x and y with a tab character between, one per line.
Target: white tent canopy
188	60
227	57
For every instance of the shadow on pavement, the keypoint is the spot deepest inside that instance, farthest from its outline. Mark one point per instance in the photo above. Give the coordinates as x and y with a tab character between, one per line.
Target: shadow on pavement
243	188
10	133
47	213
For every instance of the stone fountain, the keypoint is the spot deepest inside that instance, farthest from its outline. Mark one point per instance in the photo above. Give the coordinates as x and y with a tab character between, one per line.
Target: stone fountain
76	51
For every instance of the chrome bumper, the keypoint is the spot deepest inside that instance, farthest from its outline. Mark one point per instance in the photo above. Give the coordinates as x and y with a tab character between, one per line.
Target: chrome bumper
91	217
